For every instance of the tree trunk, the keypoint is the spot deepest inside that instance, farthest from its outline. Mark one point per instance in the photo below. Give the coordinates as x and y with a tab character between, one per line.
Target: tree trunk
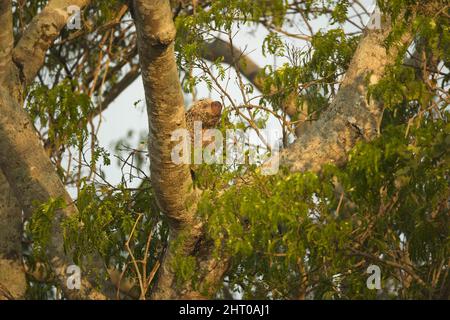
27	168
12	274
165	108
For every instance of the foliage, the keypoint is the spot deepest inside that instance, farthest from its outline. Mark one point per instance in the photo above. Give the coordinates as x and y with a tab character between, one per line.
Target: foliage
113	220
313	236
62	110
293	235
40	226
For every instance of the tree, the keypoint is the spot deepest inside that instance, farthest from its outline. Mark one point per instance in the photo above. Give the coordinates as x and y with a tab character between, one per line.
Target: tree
364	169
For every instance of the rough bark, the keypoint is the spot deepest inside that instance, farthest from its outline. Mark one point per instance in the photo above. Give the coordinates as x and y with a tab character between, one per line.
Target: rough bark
30	51
12	273
27	168
172	182
6	36
351	117
34	180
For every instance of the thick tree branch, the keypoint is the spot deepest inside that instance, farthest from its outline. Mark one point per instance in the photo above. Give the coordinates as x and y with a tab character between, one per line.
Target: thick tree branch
165	104
34	180
8	74
12	273
351	117
172	182
235	58
30	51
6	36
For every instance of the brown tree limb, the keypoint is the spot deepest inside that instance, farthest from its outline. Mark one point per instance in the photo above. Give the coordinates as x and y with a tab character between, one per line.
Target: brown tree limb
30	51
172	182
6	36
351	116
27	169
12	273
34	180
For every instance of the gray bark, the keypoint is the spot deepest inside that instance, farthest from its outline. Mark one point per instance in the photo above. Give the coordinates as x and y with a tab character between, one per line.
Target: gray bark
351	117
27	169
12	273
166	112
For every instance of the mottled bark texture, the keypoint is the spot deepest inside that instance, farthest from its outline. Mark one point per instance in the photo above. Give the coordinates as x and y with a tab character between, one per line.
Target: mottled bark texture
166	112
29	53
351	116
12	273
165	107
6	36
31	177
